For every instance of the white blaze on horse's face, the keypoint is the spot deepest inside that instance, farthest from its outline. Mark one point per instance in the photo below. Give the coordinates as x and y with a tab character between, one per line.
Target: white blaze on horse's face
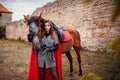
33	28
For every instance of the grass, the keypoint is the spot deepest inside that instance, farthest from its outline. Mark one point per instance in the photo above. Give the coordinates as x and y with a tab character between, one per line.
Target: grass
15	56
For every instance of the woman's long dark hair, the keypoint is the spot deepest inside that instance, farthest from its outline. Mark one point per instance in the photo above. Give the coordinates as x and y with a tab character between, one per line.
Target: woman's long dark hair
52	31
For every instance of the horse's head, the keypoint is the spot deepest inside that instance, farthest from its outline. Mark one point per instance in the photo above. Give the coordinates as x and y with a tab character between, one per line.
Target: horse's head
36	23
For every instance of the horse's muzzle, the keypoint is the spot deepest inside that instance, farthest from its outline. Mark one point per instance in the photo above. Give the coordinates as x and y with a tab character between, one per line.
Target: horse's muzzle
30	36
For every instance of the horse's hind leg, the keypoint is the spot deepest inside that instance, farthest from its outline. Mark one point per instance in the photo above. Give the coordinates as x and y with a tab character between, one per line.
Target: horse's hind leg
69	56
77	50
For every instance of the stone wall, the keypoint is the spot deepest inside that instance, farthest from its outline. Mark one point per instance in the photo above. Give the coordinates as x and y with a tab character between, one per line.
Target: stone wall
91	20
5	18
17	30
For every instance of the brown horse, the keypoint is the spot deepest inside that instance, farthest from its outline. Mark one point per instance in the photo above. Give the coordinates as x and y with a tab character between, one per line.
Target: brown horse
66	46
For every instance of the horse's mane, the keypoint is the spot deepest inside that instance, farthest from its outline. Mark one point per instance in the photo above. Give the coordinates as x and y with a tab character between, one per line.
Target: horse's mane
42	23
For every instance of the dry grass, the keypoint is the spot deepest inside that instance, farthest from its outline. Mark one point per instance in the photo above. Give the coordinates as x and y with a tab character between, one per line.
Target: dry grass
14	60
15	56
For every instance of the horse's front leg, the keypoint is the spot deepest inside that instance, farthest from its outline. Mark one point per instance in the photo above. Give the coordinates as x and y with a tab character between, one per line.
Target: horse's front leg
69	56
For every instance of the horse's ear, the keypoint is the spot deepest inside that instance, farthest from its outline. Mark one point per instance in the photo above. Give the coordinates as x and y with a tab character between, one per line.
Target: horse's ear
26	18
39	17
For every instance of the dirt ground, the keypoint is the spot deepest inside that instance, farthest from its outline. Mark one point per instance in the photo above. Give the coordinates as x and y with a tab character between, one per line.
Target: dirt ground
15	56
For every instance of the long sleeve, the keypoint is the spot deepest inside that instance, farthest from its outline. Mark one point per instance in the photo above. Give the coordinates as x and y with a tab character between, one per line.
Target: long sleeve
55	47
55	44
36	42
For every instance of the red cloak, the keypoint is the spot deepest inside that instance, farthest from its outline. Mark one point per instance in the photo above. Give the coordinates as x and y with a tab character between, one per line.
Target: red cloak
34	74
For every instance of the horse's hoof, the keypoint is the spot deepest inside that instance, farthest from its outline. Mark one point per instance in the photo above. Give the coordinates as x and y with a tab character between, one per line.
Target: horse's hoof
80	74
70	74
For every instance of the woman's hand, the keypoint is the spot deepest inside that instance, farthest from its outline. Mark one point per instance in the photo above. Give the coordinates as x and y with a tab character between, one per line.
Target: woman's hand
36	42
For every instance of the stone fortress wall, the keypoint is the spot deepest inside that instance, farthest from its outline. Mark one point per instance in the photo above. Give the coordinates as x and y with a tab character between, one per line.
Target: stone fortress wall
91	20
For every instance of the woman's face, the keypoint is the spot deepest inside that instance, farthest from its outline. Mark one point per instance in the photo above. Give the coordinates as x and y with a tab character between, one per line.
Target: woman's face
47	27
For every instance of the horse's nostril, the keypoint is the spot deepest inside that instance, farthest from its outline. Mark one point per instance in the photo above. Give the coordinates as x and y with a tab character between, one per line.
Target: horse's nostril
30	38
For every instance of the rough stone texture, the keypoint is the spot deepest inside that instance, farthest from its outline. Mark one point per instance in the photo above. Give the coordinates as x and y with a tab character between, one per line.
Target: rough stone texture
5	18
17	30
91	20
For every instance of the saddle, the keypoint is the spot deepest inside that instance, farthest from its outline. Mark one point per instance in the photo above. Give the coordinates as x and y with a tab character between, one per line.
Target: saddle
62	34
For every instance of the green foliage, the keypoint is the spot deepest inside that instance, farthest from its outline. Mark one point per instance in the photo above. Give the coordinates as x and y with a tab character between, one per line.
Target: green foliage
87	1
116	11
115	45
91	76
116	57
117	77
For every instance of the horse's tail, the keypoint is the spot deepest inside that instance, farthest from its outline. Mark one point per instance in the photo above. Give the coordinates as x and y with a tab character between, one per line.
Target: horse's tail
79	38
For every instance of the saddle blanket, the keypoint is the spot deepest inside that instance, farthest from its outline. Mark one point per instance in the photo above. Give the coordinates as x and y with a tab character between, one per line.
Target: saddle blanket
66	36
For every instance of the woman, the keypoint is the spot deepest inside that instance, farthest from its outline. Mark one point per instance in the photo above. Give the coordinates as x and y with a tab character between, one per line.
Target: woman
46	58
49	56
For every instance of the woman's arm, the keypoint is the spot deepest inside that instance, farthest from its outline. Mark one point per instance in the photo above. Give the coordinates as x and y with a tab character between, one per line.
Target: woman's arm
36	42
55	43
